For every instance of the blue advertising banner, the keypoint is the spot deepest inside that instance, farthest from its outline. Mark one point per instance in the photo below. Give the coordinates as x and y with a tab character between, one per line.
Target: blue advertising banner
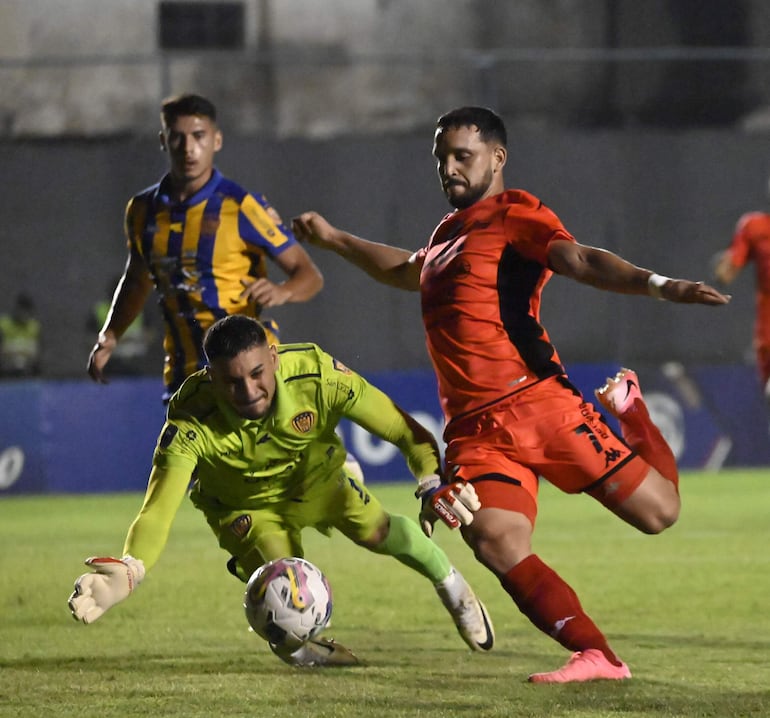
77	436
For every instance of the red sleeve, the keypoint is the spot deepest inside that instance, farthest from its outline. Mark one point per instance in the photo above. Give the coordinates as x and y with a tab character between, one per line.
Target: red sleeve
532	226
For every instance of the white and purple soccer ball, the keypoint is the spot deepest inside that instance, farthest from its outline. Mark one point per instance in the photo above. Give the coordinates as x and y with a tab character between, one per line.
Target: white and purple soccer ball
288	601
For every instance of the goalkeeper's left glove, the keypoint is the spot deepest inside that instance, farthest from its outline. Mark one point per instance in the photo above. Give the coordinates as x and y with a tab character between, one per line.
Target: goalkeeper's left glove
453	503
112	580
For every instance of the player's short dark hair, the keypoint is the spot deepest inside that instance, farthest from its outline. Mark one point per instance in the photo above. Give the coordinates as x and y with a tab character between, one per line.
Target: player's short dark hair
490	124
231	335
186	105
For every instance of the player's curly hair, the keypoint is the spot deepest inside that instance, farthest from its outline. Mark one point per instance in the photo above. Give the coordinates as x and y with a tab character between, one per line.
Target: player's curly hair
490	124
186	105
231	335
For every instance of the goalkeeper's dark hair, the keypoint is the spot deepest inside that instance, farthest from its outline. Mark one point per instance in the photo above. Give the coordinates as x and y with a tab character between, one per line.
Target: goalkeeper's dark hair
231	335
184	106
490	124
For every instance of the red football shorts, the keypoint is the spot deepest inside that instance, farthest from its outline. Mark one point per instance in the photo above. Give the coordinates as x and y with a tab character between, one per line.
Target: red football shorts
548	431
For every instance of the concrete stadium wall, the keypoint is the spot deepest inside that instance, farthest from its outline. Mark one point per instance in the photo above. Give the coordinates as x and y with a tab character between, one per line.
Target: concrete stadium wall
664	200
321	69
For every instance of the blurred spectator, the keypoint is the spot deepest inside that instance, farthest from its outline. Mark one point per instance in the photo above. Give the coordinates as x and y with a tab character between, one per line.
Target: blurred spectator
20	340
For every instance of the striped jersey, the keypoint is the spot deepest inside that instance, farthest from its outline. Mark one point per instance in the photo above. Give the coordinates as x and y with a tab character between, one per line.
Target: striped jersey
198	251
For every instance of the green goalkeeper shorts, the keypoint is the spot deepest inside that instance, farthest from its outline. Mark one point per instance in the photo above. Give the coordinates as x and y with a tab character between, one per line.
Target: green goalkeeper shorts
254	536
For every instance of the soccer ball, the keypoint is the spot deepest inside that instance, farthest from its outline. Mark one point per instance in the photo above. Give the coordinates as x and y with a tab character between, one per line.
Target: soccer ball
288	601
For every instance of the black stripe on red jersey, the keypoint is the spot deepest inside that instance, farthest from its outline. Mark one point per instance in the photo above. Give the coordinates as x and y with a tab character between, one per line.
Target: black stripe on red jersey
517	280
567	384
494	476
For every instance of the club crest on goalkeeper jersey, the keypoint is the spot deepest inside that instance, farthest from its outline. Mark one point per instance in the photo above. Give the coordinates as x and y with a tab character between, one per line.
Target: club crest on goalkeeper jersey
243	463
197	252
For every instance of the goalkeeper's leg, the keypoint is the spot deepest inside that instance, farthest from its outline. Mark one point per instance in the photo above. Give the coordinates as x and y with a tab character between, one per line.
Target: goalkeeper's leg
405	541
359	515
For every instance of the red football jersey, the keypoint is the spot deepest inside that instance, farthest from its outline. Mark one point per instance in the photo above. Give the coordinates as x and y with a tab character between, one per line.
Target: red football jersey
751	243
483	272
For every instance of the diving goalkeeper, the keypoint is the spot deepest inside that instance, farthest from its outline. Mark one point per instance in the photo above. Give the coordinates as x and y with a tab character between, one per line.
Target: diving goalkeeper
256	432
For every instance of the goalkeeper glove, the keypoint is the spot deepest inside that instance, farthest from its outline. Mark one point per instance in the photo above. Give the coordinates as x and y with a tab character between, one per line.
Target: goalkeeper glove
453	503
112	580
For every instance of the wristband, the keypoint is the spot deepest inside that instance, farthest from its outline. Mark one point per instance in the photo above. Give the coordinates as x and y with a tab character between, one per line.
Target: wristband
655	284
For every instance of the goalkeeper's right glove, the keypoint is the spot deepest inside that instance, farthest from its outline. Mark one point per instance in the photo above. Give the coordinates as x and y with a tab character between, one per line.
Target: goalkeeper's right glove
112	580
453	503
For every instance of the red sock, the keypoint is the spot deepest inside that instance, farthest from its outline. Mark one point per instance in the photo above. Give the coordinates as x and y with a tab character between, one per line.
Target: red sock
548	601
645	438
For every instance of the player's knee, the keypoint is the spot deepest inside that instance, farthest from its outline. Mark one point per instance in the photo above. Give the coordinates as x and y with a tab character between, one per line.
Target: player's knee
502	548
377	537
663	516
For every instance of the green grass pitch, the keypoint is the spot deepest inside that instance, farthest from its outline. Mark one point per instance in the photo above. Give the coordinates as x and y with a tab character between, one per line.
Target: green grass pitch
689	611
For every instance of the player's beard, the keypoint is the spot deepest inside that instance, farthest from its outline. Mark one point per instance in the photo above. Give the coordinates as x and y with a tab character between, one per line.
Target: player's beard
472	194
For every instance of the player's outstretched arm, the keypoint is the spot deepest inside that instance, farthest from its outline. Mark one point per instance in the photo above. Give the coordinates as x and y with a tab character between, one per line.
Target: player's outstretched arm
605	270
389	265
111	581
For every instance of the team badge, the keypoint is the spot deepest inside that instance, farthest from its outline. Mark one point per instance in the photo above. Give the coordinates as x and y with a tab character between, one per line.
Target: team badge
240	527
339	366
303	422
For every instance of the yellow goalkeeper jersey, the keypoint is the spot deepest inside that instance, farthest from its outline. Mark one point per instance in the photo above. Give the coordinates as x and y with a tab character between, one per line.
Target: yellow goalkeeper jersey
248	464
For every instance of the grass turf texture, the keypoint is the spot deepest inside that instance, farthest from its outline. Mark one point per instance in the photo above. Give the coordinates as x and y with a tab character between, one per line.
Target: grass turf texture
688	610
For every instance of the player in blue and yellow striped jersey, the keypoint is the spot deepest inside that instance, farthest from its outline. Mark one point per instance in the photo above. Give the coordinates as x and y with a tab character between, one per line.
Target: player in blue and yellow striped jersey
257	431
203	243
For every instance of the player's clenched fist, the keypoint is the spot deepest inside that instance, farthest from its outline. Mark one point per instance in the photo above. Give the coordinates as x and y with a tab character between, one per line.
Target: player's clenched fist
453	503
111	581
312	228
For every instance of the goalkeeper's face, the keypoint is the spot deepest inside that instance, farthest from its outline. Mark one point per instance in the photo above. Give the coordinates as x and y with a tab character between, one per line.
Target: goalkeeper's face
247	381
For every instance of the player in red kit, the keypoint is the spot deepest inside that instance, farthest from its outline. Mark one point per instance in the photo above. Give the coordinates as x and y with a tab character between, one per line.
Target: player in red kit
751	243
511	413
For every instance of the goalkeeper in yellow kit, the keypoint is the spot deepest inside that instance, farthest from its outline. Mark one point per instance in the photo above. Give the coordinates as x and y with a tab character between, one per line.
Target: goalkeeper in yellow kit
256	431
